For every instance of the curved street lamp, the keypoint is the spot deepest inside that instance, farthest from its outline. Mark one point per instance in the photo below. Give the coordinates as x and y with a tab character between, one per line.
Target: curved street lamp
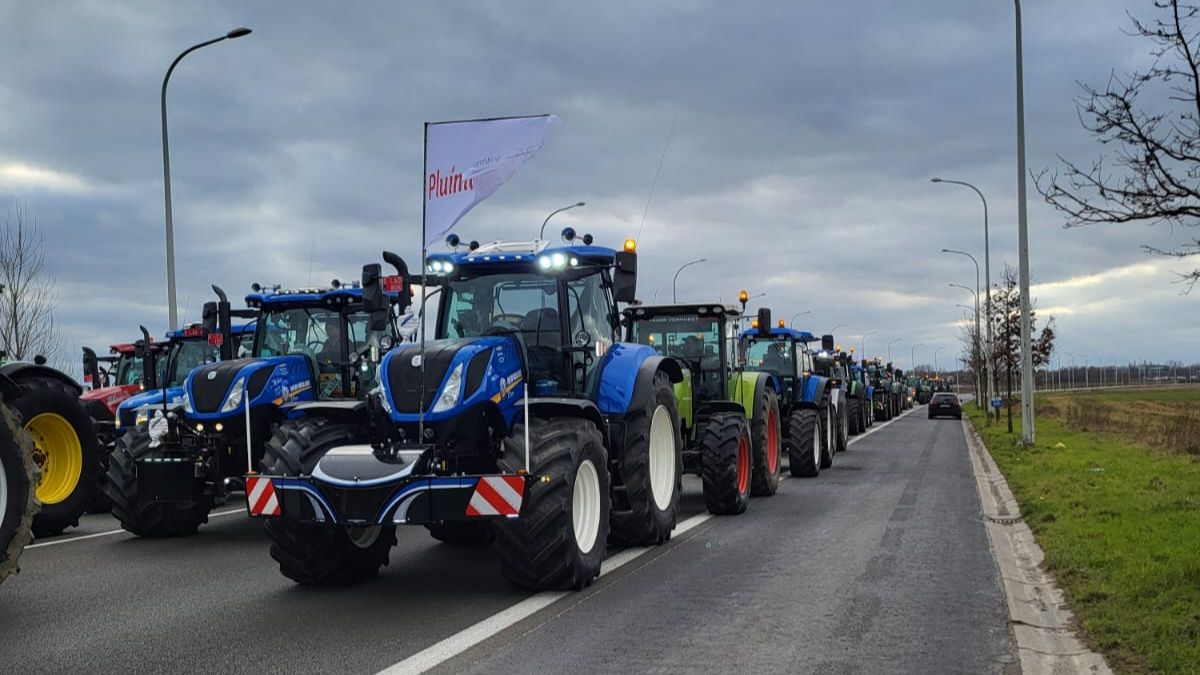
697	261
172	307
863	344
889	348
792	323
913	354
834	329
542	232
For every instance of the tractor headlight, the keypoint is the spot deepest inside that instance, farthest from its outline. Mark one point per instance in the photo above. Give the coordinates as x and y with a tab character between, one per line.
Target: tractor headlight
235	396
450	392
143	415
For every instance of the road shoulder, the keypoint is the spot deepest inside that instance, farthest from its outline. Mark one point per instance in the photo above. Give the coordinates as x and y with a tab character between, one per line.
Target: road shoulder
1041	622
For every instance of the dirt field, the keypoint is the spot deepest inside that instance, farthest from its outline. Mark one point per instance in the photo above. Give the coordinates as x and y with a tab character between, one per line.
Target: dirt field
1166	419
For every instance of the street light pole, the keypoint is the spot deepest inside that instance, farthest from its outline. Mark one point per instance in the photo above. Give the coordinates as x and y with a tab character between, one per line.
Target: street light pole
833	331
989	369
976	296
889	348
913	355
792	323
863	345
172	307
697	261
936	369
1027	425
542	232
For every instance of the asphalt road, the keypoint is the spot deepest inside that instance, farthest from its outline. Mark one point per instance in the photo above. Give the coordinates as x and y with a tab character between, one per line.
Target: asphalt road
881	564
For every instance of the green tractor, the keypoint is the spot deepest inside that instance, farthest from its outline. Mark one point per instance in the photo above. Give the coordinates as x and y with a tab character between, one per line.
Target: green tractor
849	390
730	416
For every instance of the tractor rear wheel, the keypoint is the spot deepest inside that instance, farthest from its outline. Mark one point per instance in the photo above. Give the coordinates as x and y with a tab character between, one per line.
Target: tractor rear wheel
651	471
725	449
854	412
804	443
66	450
828	435
843	425
318	554
765	431
559	540
18	476
141	516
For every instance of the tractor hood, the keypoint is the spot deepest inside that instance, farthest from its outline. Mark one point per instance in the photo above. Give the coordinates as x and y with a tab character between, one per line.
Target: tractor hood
130	408
222	389
109	397
459	374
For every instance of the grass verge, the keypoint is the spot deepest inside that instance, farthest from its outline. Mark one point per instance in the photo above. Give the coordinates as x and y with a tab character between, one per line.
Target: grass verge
1120	525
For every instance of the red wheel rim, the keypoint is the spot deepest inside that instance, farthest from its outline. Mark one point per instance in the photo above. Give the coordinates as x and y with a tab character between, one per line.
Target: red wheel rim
743	465
772	442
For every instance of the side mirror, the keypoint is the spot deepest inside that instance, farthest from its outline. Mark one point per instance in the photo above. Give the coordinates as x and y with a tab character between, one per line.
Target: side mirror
764	321
208	317
625	277
375	301
827	343
91	368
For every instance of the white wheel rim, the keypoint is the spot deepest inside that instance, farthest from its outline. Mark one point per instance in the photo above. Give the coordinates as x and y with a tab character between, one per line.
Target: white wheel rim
585	506
3	492
662	458
363	537
817	446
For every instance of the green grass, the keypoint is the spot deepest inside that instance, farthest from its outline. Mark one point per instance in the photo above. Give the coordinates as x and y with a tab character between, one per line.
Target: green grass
1181	394
1120	525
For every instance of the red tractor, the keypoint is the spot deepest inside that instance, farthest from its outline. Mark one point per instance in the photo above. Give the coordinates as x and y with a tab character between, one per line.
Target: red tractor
110	380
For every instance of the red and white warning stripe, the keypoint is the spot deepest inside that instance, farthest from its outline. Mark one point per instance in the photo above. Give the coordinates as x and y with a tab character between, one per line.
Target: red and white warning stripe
260	497
497	496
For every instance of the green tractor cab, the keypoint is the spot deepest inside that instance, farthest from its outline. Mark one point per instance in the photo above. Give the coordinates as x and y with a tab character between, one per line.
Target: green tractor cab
729	416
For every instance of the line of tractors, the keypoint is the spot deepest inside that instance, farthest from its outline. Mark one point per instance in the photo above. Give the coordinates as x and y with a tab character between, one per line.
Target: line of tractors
550	415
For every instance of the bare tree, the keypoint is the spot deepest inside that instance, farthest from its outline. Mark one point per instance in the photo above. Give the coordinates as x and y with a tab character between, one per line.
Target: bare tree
27	297
1157	151
1006	326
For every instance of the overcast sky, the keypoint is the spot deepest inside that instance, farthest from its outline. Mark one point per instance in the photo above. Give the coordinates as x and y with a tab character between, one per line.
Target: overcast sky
805	137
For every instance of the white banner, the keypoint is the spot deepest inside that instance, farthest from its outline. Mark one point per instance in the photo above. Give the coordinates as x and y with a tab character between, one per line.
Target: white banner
465	162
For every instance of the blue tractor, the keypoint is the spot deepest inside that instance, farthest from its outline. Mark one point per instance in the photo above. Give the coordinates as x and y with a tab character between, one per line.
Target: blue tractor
524	422
805	399
194	448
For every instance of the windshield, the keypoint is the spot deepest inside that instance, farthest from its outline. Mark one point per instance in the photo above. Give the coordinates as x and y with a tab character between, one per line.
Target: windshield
128	370
695	340
330	338
186	355
772	356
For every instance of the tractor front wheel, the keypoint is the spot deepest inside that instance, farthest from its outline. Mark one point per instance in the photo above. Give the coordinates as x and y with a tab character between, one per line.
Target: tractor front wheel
725	449
828	435
137	514
804	443
651	471
18	476
854	413
559	540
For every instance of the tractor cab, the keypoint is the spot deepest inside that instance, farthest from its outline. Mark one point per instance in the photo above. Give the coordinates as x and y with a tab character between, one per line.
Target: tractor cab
703	337
111	379
782	352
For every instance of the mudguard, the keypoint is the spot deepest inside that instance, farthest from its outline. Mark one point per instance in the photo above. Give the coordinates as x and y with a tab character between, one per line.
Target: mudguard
18	369
814	389
267	381
747	387
564	407
627	375
684	400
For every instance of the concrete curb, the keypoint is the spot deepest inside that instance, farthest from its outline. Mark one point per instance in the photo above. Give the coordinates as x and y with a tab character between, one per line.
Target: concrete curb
1037	610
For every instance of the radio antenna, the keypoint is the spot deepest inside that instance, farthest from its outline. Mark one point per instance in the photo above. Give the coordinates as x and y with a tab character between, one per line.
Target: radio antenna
654	183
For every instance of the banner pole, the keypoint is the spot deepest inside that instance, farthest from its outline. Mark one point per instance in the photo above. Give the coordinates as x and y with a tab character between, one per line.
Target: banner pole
424	267
249	449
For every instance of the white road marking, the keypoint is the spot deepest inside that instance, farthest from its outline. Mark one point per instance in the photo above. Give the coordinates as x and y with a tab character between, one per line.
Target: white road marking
217	514
442	651
446	649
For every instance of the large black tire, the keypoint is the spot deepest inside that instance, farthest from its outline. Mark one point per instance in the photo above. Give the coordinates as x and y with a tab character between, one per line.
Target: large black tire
828	434
540	550
804	443
766	434
843	425
18	476
648	521
155	519
855	416
318	554
63	434
725	449
462	533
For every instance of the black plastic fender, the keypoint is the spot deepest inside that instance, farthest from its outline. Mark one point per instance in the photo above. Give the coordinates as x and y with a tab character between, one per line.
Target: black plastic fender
644	383
563	407
341	412
17	370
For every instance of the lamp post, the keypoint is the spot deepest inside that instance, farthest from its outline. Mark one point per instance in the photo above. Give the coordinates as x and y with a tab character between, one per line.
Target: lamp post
1027	422
912	354
172	307
889	348
697	261
792	323
542	232
975	295
989	370
936	369
834	329
863	345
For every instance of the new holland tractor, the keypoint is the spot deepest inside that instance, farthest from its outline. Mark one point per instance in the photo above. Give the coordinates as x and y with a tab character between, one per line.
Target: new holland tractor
805	396
19	475
882	404
730	417
524	410
191	451
827	363
866	394
66	450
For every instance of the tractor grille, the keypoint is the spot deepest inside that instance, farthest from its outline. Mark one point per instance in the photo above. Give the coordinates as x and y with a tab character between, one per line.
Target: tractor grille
207	394
404	379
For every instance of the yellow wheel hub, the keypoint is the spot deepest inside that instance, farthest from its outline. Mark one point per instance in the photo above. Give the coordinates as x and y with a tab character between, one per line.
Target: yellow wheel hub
62	456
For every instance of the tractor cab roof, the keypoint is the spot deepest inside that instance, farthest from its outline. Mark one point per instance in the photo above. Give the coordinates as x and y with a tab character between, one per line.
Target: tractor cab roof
696	309
193	331
121	348
336	296
525	256
778	333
